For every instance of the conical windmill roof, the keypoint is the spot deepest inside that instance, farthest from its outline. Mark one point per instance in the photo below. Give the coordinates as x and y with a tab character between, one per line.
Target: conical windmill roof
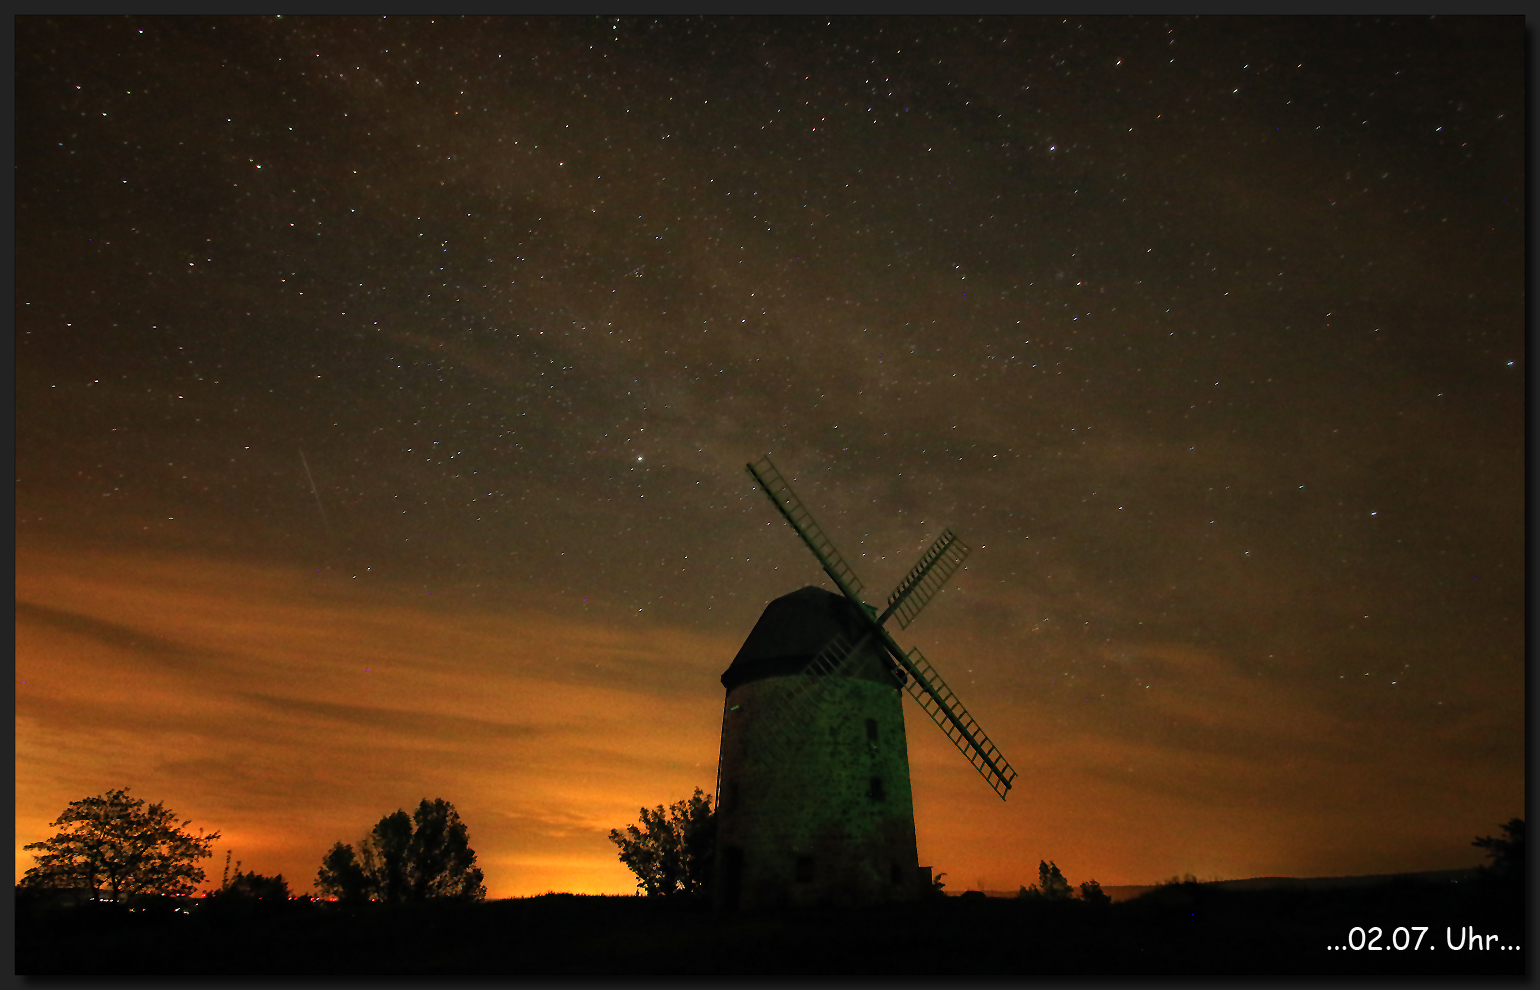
792	630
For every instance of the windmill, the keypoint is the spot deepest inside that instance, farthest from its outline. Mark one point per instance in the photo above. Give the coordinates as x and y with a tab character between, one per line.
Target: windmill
814	803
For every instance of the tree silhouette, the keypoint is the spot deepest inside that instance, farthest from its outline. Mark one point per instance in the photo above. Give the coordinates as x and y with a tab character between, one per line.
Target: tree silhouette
255	886
1051	882
387	856
1051	886
1185	880
343	877
244	896
672	852
1091	892
422	856
251	886
1507	854
114	847
442	862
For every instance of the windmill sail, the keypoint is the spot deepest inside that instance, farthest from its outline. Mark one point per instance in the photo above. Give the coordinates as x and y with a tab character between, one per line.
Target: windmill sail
927	687
802	521
922	584
926	580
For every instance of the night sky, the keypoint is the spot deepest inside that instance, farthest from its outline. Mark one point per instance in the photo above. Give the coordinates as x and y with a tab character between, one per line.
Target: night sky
384	389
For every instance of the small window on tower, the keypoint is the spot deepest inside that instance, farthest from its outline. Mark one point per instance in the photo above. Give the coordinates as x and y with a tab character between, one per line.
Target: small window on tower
804	869
871	730
875	792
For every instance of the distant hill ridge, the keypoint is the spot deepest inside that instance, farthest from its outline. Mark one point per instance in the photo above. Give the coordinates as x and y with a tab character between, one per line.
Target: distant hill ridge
1297	883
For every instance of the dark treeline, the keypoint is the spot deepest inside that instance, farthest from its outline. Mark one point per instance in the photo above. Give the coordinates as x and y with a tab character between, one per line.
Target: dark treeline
409	900
1183	928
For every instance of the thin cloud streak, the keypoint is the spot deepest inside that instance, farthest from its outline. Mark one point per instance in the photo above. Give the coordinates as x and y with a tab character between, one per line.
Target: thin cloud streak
309	731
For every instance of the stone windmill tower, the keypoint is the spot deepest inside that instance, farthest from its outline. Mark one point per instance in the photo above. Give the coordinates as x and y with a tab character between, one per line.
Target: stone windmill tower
813	798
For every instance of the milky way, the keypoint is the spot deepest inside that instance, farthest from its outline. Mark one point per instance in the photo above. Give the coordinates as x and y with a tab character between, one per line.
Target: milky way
384	387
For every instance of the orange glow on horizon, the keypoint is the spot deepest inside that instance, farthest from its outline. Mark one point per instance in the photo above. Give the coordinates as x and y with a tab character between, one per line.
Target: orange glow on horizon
289	713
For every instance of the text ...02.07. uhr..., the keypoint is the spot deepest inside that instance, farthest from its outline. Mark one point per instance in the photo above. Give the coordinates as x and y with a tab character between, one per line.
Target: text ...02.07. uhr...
1373	939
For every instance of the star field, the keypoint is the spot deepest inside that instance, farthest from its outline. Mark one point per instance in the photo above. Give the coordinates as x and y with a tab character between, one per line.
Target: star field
384	387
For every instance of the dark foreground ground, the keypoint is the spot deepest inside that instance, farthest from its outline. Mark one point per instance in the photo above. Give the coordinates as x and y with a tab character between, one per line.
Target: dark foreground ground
1179	929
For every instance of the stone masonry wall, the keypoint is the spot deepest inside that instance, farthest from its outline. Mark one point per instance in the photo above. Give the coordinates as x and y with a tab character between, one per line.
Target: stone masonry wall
825	818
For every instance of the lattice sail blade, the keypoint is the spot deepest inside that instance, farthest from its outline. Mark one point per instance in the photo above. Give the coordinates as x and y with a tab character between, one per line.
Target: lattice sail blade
802	521
942	706
927	579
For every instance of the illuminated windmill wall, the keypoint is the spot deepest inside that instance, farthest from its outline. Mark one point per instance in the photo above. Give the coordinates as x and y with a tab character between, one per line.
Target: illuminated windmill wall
820	798
814	802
